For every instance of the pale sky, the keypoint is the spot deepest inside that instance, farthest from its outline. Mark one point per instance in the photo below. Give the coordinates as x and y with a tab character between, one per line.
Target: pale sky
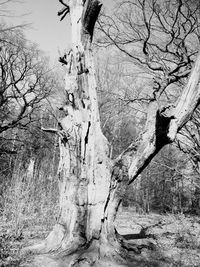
46	29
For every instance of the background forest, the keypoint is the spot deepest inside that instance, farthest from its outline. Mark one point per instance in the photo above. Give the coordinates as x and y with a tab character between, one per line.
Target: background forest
31	96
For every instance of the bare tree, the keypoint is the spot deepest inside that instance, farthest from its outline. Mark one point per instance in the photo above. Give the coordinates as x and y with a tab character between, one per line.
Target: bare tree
5	12
114	92
24	83
91	185
159	37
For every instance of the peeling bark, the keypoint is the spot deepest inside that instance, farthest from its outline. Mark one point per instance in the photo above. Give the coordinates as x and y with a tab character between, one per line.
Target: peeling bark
85	168
91	186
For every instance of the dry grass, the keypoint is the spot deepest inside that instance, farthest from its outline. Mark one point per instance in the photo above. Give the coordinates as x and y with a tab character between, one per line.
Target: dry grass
30	209
171	240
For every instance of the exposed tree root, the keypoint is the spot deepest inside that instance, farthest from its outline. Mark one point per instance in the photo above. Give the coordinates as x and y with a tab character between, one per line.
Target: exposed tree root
114	251
58	242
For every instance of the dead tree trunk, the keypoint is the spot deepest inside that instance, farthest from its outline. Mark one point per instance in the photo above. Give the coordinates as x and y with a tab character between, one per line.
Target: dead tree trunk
91	186
87	202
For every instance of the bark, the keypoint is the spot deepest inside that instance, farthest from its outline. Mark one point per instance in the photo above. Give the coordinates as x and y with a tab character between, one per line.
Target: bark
163	125
88	199
91	186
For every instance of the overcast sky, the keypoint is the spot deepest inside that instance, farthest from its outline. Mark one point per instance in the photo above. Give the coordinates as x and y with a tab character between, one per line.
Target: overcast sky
46	28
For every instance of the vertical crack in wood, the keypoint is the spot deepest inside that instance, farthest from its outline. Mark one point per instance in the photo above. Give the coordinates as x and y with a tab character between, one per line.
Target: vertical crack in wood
86	139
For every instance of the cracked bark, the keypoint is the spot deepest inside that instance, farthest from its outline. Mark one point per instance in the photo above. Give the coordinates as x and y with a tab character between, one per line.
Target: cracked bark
91	186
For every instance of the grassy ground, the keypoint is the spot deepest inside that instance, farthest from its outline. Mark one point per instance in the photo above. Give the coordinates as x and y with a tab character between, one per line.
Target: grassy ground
12	242
166	240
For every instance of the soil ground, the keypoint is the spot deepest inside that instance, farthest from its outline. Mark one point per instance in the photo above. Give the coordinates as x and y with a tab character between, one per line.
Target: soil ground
163	240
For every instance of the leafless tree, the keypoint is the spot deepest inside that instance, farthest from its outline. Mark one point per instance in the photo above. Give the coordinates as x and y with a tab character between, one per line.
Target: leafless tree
160	37
91	185
24	81
5	12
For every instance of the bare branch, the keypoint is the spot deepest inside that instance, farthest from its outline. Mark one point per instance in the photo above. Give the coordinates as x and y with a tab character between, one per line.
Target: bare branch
50	130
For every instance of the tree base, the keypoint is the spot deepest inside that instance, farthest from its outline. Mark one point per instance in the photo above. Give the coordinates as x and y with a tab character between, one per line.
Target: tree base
103	252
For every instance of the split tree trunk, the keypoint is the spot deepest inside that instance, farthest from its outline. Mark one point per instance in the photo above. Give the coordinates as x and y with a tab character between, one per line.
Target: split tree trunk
91	186
88	196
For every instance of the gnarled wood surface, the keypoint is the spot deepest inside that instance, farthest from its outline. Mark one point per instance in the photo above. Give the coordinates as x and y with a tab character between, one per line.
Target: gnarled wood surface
91	186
